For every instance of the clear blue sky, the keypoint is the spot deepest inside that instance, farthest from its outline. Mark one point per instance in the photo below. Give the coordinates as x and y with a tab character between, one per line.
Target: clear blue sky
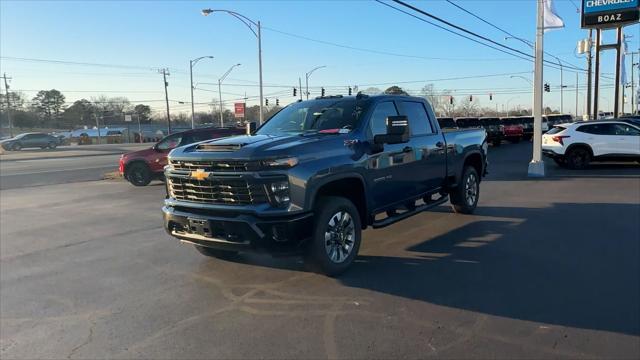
148	35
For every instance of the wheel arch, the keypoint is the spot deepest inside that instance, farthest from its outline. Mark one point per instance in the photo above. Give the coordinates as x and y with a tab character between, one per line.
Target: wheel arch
579	145
350	186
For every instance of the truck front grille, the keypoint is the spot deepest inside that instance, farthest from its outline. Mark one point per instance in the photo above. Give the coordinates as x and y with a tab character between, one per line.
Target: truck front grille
217	191
217	166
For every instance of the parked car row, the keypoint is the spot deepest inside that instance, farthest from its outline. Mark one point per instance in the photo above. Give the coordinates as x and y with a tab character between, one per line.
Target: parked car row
512	129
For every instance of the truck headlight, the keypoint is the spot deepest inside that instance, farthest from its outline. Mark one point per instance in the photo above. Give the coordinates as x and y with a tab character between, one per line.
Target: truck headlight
280	193
281	163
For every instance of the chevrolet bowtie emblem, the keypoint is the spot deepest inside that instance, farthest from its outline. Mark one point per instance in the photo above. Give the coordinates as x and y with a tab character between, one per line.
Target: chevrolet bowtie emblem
199	174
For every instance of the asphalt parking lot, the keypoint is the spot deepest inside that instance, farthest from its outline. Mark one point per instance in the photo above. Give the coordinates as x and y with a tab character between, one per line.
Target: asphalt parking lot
545	268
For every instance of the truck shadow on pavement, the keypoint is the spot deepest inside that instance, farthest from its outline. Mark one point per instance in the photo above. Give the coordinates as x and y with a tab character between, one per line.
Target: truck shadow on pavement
573	265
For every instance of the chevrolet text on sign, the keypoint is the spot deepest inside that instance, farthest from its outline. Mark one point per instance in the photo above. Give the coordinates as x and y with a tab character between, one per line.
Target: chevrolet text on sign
609	13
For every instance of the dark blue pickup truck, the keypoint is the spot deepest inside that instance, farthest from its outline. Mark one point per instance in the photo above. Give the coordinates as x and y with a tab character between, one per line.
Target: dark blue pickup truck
317	173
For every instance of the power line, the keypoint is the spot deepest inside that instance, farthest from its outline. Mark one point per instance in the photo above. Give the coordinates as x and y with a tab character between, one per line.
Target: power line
497	27
373	51
514	52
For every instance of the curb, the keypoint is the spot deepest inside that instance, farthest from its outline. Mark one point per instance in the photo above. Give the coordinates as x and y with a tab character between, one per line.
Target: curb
60	157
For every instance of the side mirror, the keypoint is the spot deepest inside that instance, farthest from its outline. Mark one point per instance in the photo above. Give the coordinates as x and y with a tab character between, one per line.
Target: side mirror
398	131
251	127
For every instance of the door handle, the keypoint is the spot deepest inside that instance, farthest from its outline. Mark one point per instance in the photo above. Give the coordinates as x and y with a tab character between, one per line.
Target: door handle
440	144
407	149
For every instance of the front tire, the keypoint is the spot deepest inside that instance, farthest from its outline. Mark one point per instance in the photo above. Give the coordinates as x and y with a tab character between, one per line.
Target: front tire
52	145
464	197
139	174
16	147
336	236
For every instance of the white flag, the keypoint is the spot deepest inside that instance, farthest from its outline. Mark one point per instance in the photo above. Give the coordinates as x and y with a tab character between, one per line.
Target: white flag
623	68
551	18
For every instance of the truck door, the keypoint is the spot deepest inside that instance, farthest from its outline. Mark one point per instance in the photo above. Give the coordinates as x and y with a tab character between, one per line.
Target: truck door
389	170
429	169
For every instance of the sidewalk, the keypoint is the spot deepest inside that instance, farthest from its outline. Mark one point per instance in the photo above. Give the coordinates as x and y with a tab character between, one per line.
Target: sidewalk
72	151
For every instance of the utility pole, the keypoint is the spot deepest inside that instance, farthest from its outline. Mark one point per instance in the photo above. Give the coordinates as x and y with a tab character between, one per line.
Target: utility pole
616	104
164	73
300	87
98	127
633	89
596	80
6	91
577	84
193	118
589	70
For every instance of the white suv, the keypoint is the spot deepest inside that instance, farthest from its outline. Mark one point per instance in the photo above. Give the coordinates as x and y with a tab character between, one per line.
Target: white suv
575	145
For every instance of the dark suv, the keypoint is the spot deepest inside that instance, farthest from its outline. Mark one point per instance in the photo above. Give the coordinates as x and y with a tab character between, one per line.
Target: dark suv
494	128
30	140
140	167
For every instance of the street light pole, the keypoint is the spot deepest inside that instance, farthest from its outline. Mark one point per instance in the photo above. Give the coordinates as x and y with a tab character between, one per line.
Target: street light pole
307	75
192	63
220	91
508	101
523	78
258	33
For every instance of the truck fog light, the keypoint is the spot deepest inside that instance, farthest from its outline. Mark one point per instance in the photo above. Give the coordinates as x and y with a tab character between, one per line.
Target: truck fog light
279	193
280	187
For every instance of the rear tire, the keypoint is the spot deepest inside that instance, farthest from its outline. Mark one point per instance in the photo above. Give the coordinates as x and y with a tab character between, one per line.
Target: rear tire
139	174
216	253
464	197
578	158
336	236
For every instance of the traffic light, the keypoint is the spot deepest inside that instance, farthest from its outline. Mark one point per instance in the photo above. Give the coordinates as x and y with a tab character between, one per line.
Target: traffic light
277	102
322	94
470	98
350	90
295	92
266	102
451	100
490	97
547	87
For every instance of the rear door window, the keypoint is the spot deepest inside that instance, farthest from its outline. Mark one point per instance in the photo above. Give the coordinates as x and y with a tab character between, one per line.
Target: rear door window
418	119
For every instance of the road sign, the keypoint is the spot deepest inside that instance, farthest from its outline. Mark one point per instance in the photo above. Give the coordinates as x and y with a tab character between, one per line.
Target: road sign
239	109
609	13
127	118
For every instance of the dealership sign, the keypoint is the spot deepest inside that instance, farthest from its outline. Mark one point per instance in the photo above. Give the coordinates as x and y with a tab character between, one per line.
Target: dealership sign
239	109
609	13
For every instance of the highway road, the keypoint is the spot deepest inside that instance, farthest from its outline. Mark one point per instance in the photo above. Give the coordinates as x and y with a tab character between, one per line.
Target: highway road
546	268
48	171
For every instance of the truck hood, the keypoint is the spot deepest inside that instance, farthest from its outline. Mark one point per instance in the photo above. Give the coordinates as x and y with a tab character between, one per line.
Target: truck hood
247	147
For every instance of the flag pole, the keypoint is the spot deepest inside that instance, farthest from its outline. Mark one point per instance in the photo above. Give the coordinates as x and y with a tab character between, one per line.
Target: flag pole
536	166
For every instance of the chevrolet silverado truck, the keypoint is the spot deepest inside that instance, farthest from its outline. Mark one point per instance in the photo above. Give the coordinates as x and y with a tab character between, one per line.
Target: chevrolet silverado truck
317	173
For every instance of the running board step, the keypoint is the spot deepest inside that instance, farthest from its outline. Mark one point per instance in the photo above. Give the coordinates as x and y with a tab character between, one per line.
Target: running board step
394	219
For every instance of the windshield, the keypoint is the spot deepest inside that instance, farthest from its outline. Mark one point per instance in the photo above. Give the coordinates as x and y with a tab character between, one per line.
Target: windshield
314	115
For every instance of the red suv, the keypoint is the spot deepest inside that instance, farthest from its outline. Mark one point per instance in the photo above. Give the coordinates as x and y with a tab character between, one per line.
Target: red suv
140	167
513	129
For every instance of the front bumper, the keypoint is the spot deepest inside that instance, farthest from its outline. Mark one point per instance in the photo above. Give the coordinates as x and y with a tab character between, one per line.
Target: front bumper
237	231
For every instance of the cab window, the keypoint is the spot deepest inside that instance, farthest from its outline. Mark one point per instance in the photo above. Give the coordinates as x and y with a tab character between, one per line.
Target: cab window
418	119
378	124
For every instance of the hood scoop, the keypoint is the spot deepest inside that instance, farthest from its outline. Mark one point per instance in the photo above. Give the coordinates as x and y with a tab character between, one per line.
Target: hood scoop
218	147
